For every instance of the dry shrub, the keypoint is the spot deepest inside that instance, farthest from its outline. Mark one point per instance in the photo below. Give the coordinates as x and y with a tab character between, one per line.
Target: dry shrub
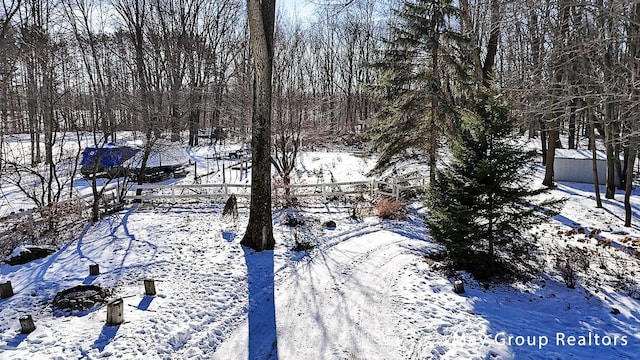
389	209
51	225
571	263
367	210
302	242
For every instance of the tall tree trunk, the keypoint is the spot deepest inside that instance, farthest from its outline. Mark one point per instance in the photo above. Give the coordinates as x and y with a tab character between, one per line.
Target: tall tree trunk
433	141
259	233
492	45
632	151
32	111
611	159
550	155
484	71
194	119
572	125
629	184
619	167
49	125
543	143
176	118
556	92
594	154
134	14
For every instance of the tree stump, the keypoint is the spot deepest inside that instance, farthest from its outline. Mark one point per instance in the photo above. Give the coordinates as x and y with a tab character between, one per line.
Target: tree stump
6	290
458	287
115	310
231	207
149	287
26	324
94	270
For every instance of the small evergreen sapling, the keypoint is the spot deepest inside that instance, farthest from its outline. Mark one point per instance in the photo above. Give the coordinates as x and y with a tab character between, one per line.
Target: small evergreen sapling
481	204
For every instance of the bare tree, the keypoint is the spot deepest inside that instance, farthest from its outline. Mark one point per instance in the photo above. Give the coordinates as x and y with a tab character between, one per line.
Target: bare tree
8	58
102	120
135	14
289	100
632	60
217	43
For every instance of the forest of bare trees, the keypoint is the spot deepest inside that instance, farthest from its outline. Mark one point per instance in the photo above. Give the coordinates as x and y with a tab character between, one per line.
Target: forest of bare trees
166	68
572	68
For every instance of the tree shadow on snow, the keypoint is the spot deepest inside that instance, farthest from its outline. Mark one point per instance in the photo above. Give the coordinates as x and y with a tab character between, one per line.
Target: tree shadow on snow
263	342
37	275
586	191
548	321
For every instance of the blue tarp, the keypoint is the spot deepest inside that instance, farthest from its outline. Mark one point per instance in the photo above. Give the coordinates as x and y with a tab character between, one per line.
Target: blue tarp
109	155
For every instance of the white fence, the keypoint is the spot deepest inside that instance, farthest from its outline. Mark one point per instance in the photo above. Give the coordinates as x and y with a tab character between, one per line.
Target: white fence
197	192
391	188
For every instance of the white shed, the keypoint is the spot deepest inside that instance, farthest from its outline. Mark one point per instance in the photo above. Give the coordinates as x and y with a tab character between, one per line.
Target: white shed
574	165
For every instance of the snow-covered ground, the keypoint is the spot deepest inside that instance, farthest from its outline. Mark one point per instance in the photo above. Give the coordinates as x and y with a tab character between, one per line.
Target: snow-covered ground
366	291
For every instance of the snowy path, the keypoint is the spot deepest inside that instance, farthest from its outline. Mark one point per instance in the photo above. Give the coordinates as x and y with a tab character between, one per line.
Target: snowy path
364	297
350	312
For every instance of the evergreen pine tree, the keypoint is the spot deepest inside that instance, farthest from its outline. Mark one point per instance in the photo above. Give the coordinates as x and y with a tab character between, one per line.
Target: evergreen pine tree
419	69
481	204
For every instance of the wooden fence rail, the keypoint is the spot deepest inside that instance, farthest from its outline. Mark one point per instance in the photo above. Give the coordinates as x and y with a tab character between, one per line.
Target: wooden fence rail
149	192
392	188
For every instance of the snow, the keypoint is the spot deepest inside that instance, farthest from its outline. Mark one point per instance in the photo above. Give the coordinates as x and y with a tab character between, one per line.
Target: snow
163	153
19	251
579	154
366	291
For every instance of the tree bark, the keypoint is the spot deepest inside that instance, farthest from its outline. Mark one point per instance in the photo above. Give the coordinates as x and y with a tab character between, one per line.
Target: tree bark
632	151
629	185
6	290
611	158
550	156
492	46
594	154
572	126
433	134
115	312
149	287
556	94
259	233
